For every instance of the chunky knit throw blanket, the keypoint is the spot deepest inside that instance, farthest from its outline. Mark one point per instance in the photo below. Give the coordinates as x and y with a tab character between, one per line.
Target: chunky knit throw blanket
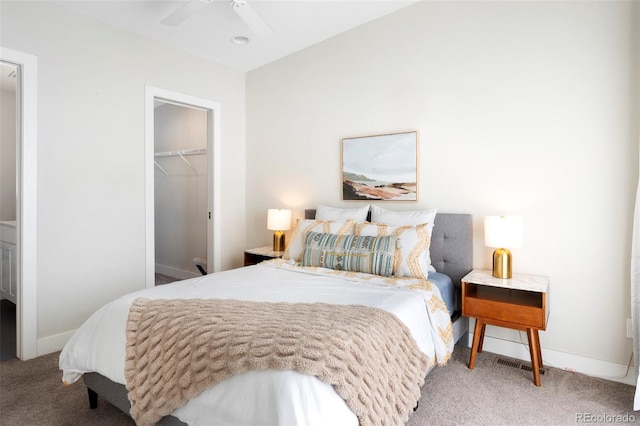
177	348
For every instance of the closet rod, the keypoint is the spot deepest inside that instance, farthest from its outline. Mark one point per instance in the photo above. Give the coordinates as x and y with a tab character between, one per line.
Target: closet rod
182	152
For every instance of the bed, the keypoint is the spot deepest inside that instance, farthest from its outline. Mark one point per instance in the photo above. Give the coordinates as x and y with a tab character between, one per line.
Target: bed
98	350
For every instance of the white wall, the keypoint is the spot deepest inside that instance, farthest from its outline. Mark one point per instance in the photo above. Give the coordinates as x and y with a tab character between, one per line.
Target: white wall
181	194
527	108
91	165
7	154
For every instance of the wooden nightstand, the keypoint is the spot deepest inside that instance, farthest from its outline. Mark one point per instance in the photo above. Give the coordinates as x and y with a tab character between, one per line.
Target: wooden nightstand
260	254
519	303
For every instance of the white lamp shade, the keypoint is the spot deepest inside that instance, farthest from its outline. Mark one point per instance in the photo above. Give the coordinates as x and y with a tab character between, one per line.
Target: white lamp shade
278	219
503	231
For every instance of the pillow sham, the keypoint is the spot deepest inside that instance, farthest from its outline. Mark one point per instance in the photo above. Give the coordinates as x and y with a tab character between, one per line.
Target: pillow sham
368	254
403	218
334	213
296	243
412	258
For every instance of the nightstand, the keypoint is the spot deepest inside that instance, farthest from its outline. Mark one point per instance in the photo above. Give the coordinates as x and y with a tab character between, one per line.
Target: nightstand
519	303
260	254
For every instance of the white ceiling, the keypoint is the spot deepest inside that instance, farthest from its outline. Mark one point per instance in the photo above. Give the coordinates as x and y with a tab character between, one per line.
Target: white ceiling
297	24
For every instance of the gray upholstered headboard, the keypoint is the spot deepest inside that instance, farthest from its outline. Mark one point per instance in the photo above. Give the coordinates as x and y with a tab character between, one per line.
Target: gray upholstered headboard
451	244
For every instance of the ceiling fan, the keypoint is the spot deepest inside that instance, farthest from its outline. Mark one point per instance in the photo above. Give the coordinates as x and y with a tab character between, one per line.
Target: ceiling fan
241	7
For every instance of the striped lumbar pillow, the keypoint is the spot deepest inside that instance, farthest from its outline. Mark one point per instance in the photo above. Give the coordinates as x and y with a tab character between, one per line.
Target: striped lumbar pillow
413	258
369	254
296	245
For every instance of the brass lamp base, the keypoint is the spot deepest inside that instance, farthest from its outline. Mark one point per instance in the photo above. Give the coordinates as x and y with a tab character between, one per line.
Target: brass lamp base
502	263
278	241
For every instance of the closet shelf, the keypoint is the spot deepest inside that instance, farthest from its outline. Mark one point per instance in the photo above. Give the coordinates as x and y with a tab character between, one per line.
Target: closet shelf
182	152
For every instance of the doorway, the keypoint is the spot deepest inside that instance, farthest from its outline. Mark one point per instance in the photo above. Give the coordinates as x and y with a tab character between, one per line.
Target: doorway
9	143
19	259
182	190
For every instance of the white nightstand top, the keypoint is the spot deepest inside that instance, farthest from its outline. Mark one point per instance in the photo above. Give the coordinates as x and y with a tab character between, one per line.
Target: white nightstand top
537	283
265	251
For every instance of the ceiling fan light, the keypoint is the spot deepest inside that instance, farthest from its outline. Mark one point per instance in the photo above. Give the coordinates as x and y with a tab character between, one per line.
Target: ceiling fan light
251	18
240	40
238	3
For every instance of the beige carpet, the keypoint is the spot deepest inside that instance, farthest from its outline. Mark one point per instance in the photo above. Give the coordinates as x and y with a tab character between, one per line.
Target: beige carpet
496	394
31	393
164	279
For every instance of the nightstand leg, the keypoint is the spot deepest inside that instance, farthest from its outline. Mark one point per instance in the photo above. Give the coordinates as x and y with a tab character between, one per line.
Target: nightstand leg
477	337
540	363
532	336
484	327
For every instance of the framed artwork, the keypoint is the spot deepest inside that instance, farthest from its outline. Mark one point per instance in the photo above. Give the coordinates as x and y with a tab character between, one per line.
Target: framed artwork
381	167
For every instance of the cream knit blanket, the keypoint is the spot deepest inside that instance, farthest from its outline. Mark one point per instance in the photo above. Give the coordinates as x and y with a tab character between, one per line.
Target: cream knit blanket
177	348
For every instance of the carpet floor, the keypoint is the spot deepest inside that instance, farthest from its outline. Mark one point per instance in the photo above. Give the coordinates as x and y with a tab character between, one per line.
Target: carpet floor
497	394
164	279
31	393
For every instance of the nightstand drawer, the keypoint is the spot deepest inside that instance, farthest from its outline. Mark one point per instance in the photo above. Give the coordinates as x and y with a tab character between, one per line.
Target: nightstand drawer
525	316
522	308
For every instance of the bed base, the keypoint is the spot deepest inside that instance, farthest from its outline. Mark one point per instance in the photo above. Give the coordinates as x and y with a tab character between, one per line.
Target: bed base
116	392
116	395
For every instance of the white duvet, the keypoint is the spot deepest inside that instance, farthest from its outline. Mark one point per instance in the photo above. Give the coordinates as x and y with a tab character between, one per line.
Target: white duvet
266	397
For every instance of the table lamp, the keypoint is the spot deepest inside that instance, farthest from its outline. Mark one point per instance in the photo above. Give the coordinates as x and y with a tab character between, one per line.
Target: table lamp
502	232
278	220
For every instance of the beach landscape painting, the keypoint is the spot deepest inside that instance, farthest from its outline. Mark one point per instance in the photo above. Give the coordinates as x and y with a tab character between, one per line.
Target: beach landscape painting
381	167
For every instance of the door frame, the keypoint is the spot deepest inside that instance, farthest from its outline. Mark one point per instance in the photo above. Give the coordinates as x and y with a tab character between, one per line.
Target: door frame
213	175
26	206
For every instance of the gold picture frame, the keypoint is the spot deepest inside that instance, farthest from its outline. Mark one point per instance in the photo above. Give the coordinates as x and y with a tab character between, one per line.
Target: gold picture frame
380	167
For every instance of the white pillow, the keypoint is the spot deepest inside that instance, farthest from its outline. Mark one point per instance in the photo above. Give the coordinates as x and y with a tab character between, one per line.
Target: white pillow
334	213
412	258
303	226
404	218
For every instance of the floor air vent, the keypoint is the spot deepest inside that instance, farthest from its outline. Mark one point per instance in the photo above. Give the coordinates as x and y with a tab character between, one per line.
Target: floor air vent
516	364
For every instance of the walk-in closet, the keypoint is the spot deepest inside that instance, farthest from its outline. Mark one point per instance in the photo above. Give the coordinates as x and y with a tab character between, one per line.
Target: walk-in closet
180	191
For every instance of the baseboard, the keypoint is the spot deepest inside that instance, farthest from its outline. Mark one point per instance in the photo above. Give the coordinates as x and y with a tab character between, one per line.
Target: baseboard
175	272
563	360
50	344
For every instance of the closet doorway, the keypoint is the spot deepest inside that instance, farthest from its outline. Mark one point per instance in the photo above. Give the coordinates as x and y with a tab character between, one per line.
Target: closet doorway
182	138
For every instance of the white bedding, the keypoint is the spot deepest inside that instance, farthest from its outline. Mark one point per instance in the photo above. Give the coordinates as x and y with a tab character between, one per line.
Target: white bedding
266	397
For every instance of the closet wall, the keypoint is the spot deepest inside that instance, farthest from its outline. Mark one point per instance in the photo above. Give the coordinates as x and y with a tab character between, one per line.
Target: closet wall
180	190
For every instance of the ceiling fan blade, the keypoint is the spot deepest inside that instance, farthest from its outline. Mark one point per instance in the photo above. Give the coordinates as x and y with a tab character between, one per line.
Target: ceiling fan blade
251	18
183	13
